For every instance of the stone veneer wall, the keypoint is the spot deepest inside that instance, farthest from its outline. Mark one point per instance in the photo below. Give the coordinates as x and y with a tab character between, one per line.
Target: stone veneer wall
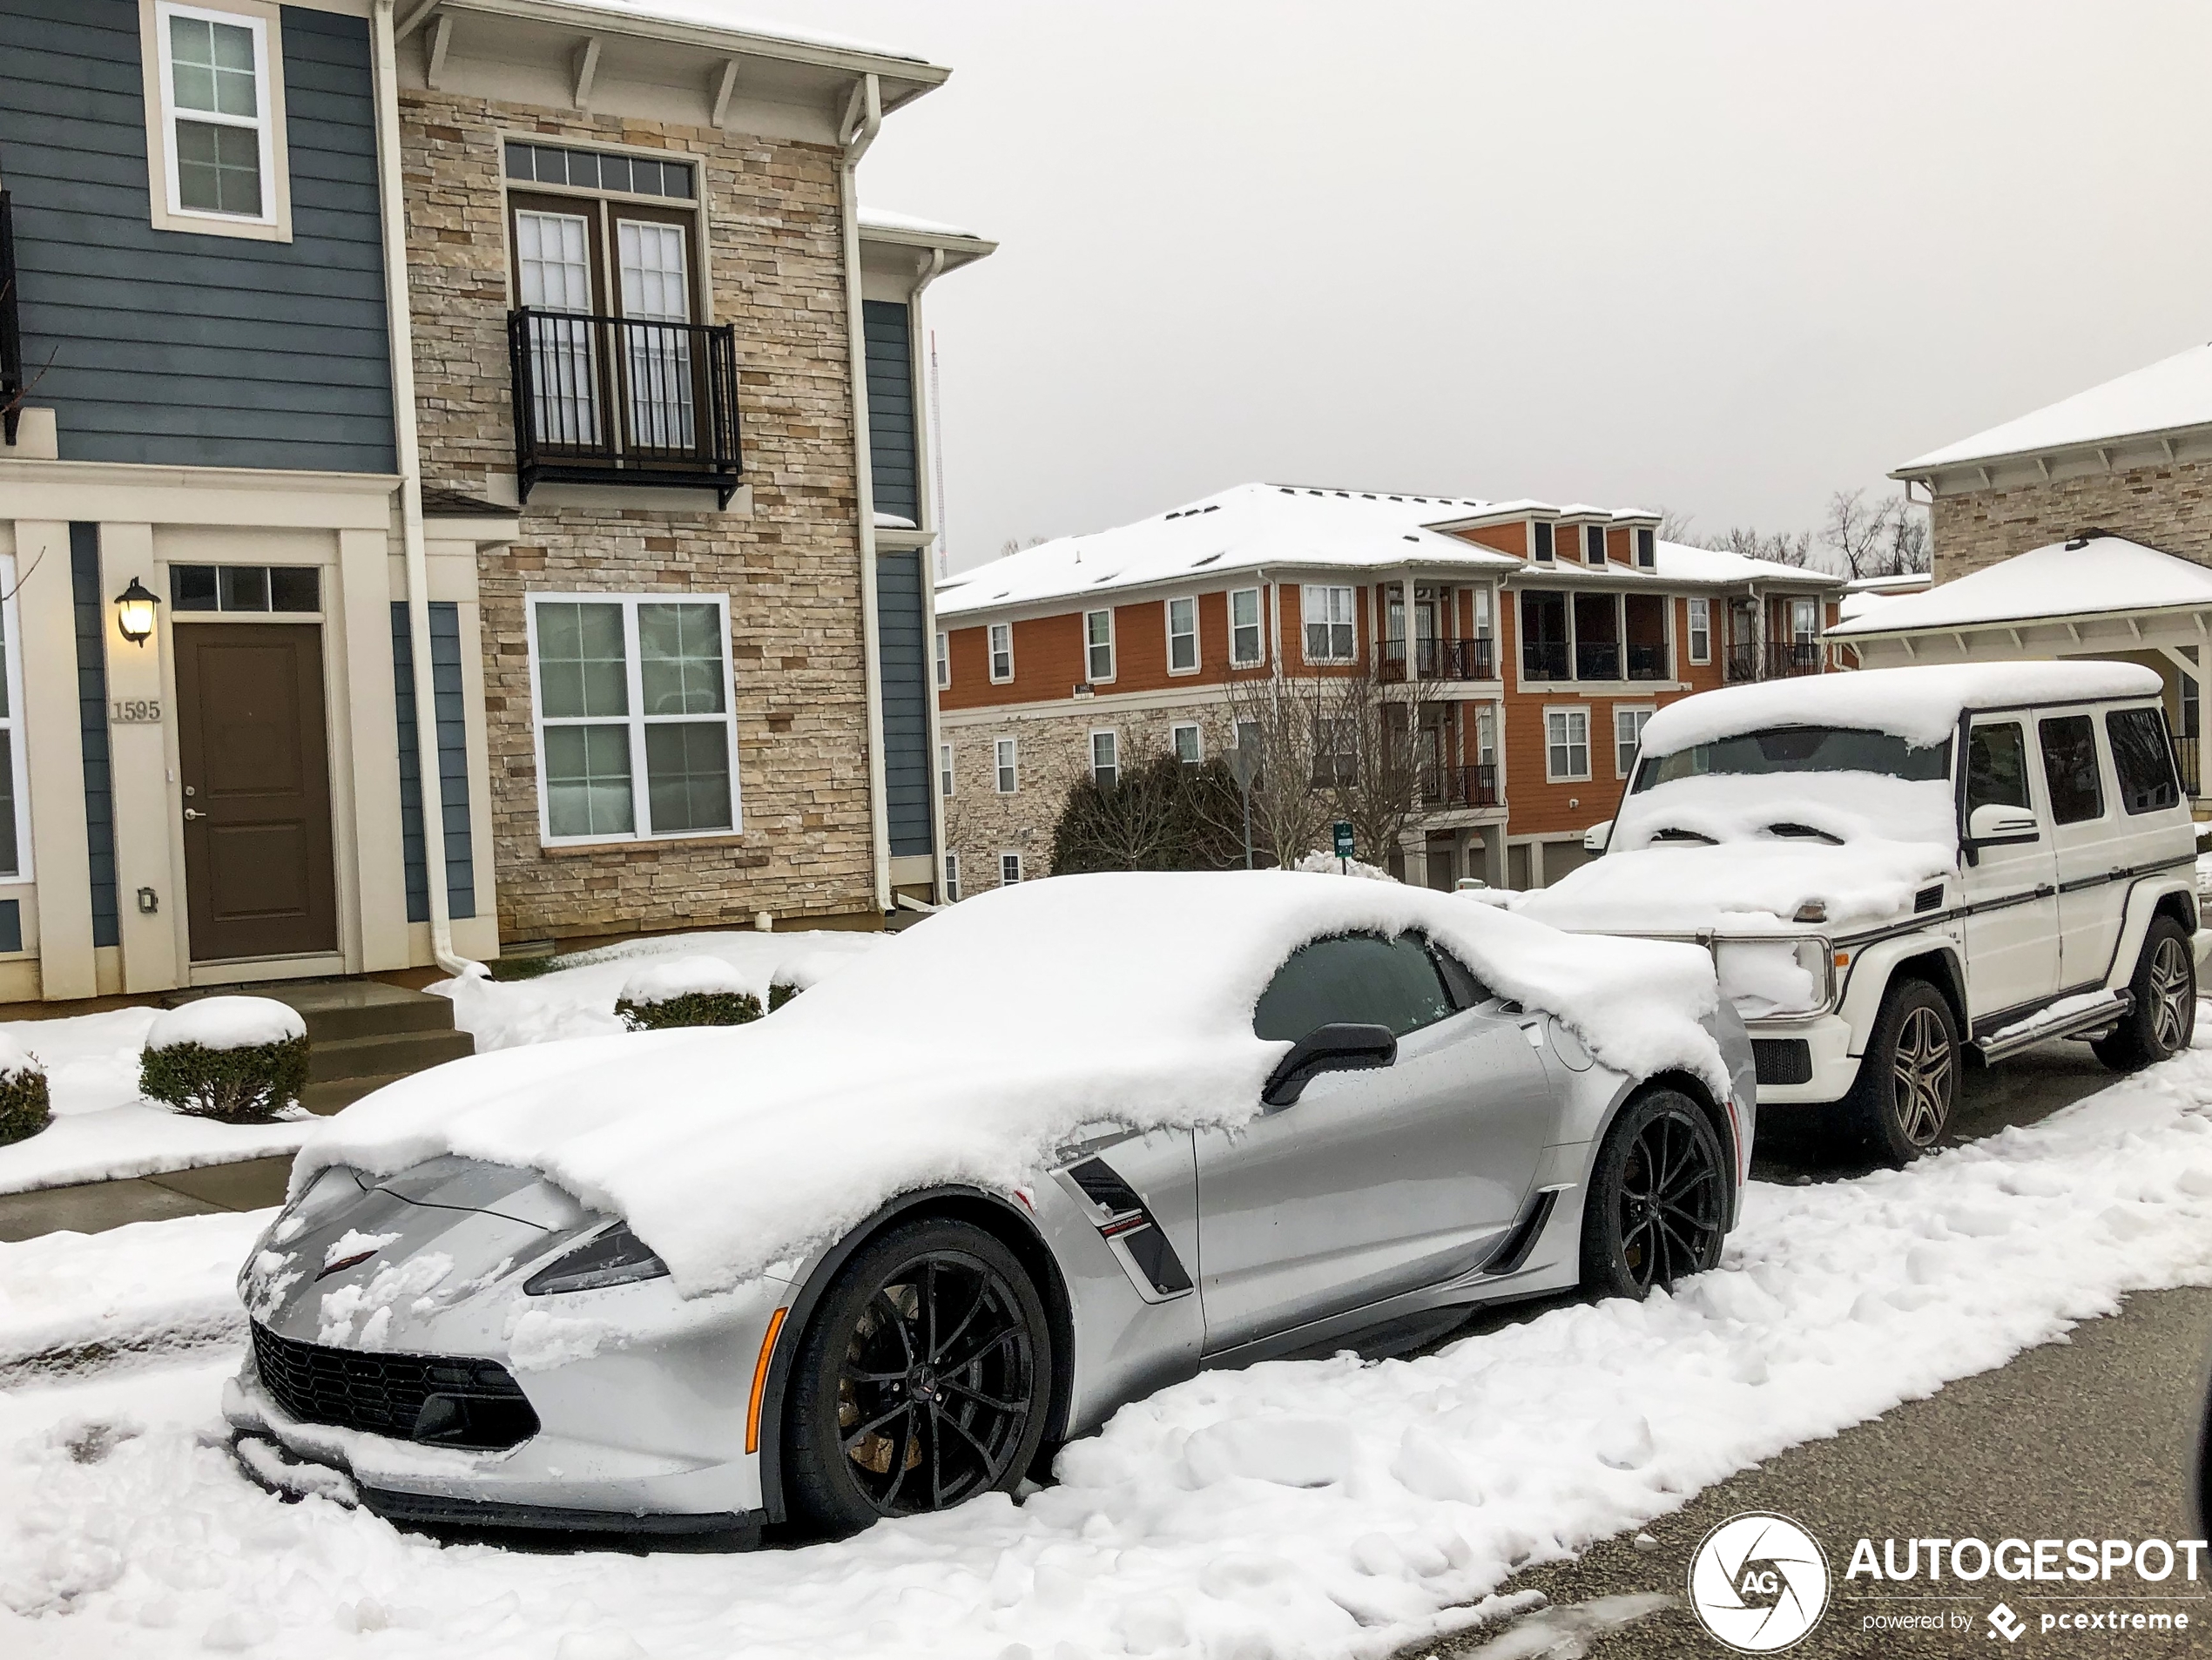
2167	506
792	570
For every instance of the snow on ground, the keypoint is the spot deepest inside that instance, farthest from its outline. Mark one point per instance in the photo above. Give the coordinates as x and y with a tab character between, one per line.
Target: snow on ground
102	1126
1295	1508
578	999
68	1299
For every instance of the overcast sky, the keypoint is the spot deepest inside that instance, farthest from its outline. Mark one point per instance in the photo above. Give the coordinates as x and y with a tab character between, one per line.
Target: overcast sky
1717	258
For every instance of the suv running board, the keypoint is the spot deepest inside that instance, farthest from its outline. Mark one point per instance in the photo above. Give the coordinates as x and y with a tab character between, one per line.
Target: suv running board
2037	1027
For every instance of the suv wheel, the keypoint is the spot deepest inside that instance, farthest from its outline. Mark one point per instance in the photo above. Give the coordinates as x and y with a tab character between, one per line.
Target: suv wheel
2164	1017
1900	1104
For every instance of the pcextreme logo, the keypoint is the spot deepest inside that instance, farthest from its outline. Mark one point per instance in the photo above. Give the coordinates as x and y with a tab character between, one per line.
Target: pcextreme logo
1758	1583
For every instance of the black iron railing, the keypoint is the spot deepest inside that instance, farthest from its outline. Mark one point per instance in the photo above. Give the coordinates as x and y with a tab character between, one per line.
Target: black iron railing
1598	659
1744	660
1647	662
1544	660
12	381
1475	659
2185	757
617	401
1446	788
1774	660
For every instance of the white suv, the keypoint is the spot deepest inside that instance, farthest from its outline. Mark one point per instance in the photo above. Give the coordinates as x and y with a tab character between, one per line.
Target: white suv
1898	869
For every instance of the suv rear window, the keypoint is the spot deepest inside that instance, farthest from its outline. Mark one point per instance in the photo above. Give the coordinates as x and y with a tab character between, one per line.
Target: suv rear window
2142	757
1800	749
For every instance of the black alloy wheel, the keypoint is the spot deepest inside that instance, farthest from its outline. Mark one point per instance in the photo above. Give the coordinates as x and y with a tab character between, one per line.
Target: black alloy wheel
1658	1209
924	1379
1901	1102
2163	1017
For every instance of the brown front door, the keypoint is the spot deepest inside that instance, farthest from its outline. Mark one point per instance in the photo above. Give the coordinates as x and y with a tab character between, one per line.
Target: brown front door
256	790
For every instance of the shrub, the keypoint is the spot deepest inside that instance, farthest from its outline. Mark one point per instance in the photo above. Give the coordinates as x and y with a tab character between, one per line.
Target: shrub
1159	815
685	991
240	1060
781	993
23	1094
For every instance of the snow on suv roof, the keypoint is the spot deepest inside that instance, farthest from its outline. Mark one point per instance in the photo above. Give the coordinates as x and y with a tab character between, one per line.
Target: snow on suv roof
1241	529
1921	706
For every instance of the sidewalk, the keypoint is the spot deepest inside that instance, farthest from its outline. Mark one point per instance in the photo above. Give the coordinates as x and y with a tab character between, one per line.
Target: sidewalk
94	1207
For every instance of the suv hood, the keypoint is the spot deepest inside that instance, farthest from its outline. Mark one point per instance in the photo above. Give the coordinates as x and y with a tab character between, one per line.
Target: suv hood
1753	886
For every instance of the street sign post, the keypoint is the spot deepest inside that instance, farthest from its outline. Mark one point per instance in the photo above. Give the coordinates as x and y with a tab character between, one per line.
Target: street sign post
1243	766
1342	832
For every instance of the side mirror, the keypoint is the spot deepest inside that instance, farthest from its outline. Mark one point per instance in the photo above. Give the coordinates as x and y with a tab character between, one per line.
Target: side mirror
1995	821
1343	1048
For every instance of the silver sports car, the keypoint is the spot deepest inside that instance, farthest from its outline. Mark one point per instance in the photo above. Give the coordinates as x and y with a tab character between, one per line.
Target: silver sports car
1421	1104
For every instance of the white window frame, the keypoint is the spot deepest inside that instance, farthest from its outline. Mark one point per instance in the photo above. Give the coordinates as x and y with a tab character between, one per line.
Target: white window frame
1800	605
1594	534
944	661
1543	542
1258	626
1092	647
1701	627
636	720
1569	714
945	781
952	879
1176	637
1624	747
265	23
1001	631
1198	742
12	723
1114	762
1349	622
1006	765
1009	858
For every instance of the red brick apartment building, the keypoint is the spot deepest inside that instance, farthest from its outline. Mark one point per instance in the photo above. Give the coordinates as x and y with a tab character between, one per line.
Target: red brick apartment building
1547	636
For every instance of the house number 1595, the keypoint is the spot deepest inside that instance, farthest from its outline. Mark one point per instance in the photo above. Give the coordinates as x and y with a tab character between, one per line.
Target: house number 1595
135	712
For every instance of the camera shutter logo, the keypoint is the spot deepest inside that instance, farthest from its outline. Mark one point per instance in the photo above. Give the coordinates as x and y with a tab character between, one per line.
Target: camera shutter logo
1758	1583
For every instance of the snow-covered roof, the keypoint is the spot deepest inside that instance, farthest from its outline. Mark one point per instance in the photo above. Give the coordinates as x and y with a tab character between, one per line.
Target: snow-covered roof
1922	706
878	219
1679	562
1246	528
2167	395
2105	574
707	14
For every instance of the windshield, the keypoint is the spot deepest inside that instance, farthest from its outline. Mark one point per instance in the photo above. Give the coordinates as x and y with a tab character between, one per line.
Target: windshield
1800	749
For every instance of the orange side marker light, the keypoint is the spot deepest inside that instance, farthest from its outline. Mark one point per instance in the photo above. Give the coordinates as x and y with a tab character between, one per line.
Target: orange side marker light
760	1380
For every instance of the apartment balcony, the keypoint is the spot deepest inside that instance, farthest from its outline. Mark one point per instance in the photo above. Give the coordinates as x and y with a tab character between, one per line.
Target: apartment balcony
1445	789
1433	660
619	400
12	381
1774	660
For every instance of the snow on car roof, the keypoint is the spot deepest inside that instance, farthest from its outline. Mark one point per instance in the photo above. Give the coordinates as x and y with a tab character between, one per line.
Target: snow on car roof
2172	393
1241	529
969	1048
2106	573
1921	706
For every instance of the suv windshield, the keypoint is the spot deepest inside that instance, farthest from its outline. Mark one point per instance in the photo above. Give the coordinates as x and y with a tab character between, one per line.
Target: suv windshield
1800	749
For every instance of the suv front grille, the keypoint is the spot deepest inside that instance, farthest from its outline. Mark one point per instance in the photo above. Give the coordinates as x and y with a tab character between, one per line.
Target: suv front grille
1782	1060
474	1405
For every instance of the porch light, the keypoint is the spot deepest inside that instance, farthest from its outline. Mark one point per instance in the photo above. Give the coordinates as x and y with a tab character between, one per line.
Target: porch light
134	612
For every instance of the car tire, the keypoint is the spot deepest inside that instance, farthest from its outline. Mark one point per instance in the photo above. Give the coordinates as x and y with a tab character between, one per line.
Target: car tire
1907	1087
924	1379
1658	1201
2163	1019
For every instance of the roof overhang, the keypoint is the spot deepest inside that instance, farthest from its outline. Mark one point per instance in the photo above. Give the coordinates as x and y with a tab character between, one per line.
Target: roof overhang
2115	453
959	248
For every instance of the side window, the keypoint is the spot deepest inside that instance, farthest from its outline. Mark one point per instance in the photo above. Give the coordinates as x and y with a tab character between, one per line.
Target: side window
1997	767
2070	768
2140	756
1458	980
1359	978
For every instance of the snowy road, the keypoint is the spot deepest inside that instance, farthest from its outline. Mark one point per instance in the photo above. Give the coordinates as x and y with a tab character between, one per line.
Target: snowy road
1317	1508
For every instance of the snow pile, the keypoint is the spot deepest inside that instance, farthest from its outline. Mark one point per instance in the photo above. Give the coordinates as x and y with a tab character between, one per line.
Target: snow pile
665	979
1291	1510
226	1023
968	1048
15	1058
1327	863
578	999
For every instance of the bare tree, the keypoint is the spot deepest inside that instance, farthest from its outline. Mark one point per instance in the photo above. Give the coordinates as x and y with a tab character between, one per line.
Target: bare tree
1281	719
1015	544
1909	548
1139	821
1375	777
1854	531
1674	526
1776	546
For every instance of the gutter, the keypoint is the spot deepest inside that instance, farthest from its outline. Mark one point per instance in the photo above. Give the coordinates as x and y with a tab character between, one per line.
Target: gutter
863	120
400	315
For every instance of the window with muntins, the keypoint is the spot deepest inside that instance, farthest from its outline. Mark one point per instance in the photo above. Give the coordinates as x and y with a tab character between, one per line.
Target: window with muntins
1009	869
244	588
952	879
1328	614
1005	756
1701	631
1182	635
636	735
216	132
945	771
1185	740
1098	647
1105	759
1627	732
944	660
1001	654
1567	743
1244	649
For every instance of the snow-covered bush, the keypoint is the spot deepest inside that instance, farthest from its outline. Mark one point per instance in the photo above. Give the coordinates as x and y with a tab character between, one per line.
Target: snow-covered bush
685	991
1327	863
238	1059
23	1092
796	973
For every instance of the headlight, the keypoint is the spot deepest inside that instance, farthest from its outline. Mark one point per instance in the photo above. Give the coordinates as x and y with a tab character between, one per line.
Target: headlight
612	1257
1767	978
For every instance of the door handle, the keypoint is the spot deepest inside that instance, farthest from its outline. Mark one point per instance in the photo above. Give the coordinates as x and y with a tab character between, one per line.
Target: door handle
194	812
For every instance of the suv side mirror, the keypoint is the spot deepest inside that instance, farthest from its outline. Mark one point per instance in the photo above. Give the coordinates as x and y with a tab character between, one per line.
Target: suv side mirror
1335	1047
1997	821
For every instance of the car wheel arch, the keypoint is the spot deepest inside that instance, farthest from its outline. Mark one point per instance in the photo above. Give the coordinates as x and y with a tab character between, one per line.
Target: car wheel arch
1937	964
999	1217
1697	1091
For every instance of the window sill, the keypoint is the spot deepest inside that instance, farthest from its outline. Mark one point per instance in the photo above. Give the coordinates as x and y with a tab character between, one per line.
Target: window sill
651	844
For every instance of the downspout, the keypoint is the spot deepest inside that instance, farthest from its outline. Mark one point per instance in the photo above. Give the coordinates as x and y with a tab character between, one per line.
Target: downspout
926	558
863	120
401	329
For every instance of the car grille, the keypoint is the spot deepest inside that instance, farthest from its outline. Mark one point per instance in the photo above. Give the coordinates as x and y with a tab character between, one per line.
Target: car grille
475	1404
1782	1060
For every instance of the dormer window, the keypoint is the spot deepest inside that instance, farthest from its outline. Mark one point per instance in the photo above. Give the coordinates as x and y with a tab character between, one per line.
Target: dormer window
1593	544
1646	548
1543	542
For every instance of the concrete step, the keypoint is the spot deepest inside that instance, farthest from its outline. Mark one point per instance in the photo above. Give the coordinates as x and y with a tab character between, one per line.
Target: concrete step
332	1094
386	1055
336	1009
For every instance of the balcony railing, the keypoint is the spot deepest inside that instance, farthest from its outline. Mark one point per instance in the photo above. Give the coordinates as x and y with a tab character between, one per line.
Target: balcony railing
11	383
619	400
1598	659
1444	788
1544	660
1774	660
1647	662
1475	659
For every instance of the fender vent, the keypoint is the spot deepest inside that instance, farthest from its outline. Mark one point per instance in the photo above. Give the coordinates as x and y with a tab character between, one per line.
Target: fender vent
1928	899
1128	1221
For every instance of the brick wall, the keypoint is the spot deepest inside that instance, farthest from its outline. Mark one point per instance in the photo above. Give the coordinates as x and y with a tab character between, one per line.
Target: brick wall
792	570
2167	506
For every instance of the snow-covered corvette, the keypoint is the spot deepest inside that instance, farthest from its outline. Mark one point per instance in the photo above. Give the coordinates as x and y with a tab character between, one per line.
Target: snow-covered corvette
1042	1153
1898	869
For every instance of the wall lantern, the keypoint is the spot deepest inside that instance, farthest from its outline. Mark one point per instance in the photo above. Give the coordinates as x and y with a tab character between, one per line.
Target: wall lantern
134	612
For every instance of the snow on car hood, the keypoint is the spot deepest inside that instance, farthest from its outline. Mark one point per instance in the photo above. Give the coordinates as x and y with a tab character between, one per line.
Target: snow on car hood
1896	836
969	1048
